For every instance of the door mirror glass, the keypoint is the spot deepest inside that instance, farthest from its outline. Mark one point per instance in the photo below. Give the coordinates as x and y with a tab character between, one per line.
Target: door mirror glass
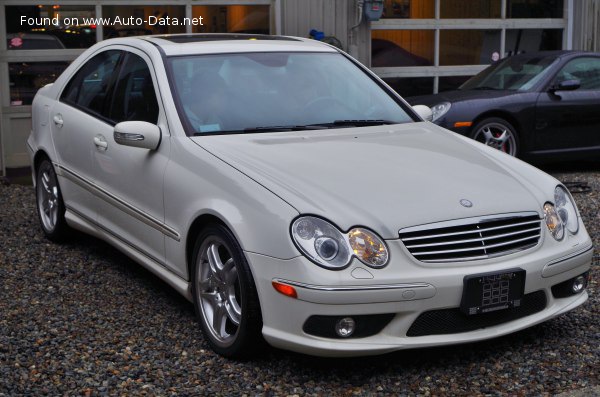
424	111
137	134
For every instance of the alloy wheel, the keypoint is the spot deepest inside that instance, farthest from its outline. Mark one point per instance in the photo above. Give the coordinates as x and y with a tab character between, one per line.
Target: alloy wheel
497	135
219	291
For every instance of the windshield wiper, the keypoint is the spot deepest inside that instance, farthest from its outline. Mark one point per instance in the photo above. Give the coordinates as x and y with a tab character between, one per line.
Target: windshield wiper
273	128
485	88
355	123
308	127
276	128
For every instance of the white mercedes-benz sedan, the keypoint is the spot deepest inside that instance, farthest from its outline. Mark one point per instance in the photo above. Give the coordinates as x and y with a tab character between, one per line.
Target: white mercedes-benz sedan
294	198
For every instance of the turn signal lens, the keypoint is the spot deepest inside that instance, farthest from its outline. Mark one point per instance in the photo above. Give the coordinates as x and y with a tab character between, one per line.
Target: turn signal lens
285	289
555	225
368	247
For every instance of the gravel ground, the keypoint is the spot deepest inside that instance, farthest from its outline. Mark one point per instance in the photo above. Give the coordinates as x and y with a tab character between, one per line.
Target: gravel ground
82	319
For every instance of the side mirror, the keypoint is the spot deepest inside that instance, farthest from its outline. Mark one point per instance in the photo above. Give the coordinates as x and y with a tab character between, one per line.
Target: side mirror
137	134
566	85
424	111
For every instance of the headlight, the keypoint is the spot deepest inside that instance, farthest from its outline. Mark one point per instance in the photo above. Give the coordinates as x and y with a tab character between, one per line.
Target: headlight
440	109
553	222
325	245
368	247
565	207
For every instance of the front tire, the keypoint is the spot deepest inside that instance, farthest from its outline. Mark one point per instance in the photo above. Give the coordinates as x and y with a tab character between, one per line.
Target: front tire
497	133
224	294
49	203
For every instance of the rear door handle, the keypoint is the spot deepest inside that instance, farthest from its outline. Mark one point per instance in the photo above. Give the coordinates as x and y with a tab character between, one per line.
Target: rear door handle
58	120
100	142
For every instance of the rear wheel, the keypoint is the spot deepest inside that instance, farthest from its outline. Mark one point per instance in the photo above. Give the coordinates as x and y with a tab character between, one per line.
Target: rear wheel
497	133
50	205
224	294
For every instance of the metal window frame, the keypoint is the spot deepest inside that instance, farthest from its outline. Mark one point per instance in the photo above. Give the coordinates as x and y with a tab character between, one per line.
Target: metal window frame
438	24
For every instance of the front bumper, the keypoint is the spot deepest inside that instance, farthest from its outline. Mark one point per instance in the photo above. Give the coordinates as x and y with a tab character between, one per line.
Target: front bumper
405	289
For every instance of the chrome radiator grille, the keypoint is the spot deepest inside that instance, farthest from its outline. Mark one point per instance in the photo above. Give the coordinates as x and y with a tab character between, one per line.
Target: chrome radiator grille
473	238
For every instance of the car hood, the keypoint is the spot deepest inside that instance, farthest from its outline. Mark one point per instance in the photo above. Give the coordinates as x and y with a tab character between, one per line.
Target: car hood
458	96
384	177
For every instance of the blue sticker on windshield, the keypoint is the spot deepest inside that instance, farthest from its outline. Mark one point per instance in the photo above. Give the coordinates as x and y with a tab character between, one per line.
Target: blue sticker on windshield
210	128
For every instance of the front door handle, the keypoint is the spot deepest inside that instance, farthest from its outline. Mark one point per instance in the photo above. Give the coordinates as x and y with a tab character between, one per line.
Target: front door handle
100	142
58	120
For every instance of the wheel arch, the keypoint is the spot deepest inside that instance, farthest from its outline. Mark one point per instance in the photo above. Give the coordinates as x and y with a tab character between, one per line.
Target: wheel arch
522	140
37	160
196	227
502	114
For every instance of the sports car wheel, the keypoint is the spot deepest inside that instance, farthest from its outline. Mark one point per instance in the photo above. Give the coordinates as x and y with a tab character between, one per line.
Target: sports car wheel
497	133
224	294
50	205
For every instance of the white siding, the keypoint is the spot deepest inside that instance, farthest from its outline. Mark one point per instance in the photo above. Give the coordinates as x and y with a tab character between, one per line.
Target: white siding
586	25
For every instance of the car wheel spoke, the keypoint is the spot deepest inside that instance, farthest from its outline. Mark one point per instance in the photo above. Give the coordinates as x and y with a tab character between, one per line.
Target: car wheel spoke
219	320
488	136
502	138
214	261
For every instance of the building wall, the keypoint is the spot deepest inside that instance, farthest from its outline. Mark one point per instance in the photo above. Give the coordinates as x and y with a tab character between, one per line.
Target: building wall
586	25
332	17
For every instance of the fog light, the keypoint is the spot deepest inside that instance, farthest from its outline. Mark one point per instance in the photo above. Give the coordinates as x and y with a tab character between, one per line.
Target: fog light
345	327
578	284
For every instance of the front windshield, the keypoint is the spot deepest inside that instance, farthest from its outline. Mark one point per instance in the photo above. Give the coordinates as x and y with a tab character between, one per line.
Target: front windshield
513	73
256	92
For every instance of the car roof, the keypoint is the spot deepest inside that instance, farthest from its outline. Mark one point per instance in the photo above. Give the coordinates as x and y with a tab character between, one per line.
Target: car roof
551	54
188	44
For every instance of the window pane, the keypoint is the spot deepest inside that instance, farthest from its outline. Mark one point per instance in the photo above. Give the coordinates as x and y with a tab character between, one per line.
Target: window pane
451	82
238	92
232	19
90	86
586	70
49	27
402	48
470	8
140	20
134	97
528	40
534	8
408	9
27	77
411	86
469	47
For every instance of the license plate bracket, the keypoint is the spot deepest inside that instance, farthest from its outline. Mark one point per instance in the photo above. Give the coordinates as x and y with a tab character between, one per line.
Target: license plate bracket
488	292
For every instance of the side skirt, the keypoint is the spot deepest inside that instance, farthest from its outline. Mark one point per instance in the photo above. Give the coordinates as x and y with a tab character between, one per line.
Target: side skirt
85	225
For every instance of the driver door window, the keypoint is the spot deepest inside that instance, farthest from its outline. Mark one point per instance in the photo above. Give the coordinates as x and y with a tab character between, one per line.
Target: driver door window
586	70
135	97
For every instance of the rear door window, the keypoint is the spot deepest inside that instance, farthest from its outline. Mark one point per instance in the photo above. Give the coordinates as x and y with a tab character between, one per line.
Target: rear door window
89	89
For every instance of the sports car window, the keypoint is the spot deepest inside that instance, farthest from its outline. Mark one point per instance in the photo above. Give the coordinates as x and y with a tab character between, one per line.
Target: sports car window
512	73
134	97
586	70
90	86
270	92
